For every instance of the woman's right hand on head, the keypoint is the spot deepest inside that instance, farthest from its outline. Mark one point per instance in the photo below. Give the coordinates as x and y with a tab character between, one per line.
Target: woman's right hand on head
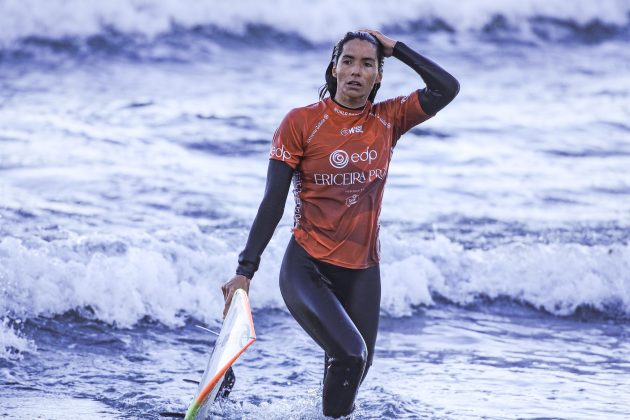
228	289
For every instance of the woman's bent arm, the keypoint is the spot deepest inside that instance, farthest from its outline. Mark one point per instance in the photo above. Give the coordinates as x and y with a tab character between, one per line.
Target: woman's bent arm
441	88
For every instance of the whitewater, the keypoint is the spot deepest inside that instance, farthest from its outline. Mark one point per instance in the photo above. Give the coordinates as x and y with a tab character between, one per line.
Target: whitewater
134	141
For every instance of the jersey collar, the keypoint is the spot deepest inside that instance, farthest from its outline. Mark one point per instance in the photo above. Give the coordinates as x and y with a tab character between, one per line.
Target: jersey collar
345	111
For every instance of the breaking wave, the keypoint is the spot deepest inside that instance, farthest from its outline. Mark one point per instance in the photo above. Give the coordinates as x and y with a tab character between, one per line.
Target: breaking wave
125	279
166	30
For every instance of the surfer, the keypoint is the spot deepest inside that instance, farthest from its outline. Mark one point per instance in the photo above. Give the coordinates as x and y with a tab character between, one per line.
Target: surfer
337	152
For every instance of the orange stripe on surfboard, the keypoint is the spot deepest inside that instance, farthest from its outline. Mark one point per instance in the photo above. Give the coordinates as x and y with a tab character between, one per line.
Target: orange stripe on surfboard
206	390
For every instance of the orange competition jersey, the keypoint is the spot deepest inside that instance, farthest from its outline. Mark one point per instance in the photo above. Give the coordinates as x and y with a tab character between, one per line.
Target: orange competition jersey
341	157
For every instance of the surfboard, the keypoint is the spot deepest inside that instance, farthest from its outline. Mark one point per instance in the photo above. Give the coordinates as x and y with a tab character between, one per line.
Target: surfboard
236	335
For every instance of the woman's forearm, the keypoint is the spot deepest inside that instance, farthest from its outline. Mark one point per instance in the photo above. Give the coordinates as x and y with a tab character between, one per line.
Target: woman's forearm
441	87
270	212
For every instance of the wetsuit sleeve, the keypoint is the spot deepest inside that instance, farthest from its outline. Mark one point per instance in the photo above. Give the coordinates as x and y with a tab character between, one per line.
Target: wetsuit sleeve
279	176
441	87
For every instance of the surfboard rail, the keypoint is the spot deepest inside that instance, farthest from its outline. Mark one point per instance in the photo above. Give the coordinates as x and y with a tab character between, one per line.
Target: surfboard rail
229	345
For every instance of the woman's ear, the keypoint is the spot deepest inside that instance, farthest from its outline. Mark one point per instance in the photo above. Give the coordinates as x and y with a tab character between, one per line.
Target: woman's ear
379	77
334	72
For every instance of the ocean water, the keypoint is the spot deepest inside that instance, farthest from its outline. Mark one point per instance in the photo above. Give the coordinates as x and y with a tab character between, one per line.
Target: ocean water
133	153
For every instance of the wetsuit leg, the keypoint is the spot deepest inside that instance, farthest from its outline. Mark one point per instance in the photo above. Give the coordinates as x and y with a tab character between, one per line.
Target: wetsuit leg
315	295
359	291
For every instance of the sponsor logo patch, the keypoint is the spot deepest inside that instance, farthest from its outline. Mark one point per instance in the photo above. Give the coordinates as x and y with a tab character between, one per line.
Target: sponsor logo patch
280	153
353	130
317	127
340	158
352	200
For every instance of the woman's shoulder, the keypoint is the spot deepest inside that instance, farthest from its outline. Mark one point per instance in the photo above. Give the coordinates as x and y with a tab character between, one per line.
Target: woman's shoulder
315	107
395	100
306	113
394	104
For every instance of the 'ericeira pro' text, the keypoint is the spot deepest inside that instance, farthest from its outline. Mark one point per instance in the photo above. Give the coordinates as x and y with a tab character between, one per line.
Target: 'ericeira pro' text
350	178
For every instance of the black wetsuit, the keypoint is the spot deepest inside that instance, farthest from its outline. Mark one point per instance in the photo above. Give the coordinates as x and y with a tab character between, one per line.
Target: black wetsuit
338	307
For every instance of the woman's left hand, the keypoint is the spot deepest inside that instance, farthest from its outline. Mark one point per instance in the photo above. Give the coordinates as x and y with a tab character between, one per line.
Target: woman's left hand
387	42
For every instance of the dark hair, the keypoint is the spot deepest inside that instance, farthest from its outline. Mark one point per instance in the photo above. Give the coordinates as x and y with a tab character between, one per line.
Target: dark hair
331	82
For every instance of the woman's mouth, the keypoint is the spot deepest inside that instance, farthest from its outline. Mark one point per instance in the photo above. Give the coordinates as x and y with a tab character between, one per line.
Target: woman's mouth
354	84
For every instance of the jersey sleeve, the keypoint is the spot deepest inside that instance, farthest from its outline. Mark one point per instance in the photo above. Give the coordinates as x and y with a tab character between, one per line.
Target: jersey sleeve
287	145
405	112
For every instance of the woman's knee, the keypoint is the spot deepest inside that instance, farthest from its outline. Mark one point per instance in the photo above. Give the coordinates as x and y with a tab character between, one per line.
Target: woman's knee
353	357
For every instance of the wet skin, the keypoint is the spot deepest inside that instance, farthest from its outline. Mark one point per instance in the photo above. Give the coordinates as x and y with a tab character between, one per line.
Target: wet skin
356	71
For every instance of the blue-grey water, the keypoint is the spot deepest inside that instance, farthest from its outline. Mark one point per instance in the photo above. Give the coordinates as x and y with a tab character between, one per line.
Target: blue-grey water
133	154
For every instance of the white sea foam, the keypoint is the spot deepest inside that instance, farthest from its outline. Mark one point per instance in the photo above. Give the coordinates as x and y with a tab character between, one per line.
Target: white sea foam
157	280
12	345
557	278
180	274
316	21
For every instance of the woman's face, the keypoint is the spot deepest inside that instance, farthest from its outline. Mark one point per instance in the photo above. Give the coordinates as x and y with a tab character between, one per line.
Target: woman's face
356	72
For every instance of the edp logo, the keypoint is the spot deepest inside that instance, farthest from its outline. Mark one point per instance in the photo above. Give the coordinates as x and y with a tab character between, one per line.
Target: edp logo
279	152
341	158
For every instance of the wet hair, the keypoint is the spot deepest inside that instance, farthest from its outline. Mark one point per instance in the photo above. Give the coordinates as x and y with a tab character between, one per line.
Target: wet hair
331	82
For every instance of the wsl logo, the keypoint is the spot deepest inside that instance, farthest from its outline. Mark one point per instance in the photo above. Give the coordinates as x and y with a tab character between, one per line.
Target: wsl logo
340	158
348	131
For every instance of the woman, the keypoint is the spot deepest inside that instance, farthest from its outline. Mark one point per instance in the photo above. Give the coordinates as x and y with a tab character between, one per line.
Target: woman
337	151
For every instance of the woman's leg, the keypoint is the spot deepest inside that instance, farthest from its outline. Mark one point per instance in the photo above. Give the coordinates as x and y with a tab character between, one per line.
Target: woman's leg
359	291
308	295
363	305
